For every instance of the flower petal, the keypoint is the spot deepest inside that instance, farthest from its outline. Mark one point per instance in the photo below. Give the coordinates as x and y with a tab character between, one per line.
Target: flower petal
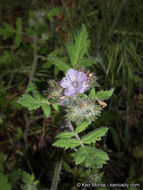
72	75
82	77
64	82
70	91
82	87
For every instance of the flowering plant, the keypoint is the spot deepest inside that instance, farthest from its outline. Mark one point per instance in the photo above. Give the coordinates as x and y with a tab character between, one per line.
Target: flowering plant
76	94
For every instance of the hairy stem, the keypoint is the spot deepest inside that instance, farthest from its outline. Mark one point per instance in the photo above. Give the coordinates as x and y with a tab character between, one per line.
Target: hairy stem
75	134
56	176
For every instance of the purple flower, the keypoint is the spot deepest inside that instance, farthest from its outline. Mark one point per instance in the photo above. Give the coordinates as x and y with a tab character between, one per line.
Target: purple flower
74	82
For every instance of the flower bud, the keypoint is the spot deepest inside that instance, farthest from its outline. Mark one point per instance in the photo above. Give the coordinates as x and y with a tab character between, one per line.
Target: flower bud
84	109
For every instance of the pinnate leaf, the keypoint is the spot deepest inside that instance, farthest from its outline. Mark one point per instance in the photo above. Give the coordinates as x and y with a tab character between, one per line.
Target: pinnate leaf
6	31
91	157
59	62
77	50
32	102
67	143
82	126
88	61
65	135
102	95
95	135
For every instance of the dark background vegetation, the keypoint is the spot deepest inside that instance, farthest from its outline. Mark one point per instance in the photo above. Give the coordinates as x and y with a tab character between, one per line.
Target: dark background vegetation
115	29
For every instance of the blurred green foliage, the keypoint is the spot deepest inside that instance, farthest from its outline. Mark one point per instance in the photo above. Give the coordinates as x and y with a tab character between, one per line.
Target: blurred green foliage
116	34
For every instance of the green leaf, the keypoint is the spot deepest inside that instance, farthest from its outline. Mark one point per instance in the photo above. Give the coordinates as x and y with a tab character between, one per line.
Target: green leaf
1	162
102	95
91	157
7	57
86	62
18	37
55	107
82	126
67	167
7	31
27	178
77	51
29	182
96	84
14	175
56	70
66	143
4	185
32	103
19	24
59	62
92	92
95	135
53	12
46	109
31	87
64	135
17	40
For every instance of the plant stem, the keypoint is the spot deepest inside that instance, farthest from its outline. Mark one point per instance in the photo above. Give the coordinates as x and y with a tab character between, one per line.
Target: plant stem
56	176
25	135
75	134
35	44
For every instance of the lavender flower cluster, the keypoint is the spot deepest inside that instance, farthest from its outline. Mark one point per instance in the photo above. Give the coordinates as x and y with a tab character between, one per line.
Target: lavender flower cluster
79	107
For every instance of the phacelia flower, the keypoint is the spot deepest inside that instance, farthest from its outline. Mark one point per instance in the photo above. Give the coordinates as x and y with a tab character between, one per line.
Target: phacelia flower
74	82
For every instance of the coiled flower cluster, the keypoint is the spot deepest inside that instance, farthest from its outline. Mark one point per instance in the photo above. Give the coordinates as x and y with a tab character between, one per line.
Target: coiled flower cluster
83	109
69	94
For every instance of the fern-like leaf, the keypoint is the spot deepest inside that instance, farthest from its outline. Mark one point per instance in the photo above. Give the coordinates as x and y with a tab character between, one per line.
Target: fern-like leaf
32	102
86	62
29	182
67	143
7	31
82	126
77	51
59	62
102	95
65	135
91	157
94	136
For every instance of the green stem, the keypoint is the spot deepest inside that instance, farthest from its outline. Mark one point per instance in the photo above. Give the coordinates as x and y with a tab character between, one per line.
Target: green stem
25	135
35	44
75	134
56	176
